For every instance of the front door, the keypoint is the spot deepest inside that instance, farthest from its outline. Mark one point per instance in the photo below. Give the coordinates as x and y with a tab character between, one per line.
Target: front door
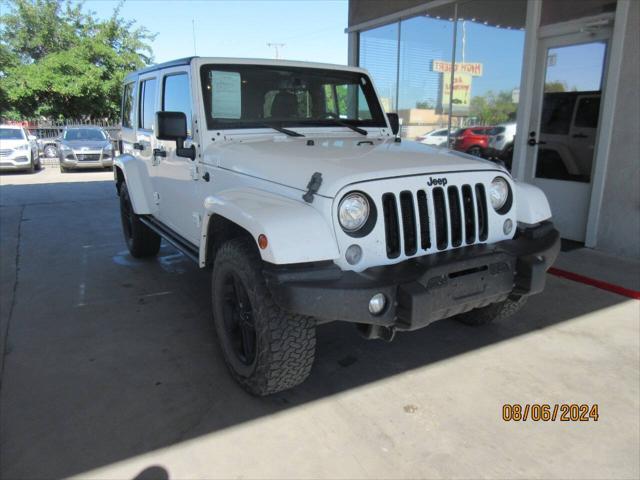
174	176
563	136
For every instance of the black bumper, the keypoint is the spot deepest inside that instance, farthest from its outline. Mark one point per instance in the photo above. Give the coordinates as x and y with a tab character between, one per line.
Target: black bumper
420	290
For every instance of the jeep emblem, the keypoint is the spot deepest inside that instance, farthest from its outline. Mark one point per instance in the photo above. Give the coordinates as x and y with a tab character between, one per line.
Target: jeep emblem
437	181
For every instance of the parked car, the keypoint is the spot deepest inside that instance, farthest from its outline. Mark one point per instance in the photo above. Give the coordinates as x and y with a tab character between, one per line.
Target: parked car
438	137
288	181
471	140
568	135
85	147
500	143
18	149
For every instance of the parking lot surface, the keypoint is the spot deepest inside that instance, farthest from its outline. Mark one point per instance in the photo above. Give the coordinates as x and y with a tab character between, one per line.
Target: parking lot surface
110	369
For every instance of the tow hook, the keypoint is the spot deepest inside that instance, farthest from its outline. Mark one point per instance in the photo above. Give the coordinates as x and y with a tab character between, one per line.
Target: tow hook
372	332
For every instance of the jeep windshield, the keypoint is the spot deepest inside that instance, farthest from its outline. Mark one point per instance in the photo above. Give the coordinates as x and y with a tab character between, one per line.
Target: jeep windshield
259	96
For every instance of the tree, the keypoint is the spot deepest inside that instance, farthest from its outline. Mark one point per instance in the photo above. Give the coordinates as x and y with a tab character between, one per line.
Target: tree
59	61
493	108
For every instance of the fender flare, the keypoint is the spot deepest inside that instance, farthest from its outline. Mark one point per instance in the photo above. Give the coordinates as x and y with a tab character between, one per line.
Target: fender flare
296	232
140	191
532	205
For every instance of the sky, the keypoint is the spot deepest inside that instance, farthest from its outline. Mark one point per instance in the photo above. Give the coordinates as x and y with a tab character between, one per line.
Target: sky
311	30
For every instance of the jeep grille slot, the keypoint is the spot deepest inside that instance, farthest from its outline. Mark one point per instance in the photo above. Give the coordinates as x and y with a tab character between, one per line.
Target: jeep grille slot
440	213
423	212
469	215
409	231
456	217
447	217
481	202
391	227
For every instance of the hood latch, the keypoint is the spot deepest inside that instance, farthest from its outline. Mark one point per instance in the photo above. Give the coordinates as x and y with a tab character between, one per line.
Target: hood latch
312	187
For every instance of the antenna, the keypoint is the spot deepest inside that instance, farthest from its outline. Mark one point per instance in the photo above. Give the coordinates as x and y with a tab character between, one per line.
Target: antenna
277	46
193	31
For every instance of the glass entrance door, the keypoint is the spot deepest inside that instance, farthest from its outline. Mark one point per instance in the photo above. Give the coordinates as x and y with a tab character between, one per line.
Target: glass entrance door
562	148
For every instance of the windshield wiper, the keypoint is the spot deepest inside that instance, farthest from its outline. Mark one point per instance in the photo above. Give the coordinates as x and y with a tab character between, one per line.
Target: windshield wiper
337	121
286	131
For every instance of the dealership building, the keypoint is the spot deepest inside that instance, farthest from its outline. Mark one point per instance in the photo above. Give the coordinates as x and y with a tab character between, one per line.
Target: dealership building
558	80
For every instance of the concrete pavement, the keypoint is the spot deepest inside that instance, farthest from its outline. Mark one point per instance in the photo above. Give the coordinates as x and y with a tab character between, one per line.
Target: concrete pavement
111	370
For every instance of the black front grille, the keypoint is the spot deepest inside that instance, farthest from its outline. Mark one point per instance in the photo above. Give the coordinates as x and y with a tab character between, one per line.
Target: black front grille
455	216
88	157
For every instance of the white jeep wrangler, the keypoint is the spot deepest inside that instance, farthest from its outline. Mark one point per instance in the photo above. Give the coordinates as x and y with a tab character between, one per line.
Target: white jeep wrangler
288	180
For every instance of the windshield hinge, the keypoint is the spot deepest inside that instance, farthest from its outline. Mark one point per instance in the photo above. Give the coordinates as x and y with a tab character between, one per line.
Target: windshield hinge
312	187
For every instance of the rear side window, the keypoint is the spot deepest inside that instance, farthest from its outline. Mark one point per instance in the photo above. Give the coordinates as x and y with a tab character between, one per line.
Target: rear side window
176	96
127	106
146	104
588	112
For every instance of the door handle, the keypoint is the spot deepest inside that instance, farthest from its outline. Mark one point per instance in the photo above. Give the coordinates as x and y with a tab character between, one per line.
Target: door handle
532	142
579	135
159	152
138	146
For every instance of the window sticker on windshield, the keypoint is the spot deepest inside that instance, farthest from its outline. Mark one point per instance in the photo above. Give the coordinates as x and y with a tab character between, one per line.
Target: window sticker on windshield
225	94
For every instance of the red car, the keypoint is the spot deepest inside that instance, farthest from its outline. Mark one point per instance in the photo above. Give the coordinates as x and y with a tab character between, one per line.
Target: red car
472	140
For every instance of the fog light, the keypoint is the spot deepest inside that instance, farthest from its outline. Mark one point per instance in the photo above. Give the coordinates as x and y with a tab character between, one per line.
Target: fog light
377	303
507	227
353	254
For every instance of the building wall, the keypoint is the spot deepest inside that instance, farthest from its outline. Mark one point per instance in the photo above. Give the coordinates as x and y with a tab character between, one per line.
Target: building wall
619	226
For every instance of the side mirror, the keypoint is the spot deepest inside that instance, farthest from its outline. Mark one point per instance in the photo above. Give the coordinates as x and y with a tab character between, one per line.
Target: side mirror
394	122
32	137
172	126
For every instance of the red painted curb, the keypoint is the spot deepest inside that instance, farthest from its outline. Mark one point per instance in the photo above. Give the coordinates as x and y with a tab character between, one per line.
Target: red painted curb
627	292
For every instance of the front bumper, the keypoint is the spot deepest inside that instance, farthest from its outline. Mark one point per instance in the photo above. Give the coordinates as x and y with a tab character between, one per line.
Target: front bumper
17	160
420	290
79	160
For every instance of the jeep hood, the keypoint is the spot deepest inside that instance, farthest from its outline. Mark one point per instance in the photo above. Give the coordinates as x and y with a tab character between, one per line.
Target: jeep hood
342	161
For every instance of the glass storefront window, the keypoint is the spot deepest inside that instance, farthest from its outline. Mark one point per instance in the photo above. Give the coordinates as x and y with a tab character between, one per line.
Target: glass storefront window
379	54
426	44
411	63
489	52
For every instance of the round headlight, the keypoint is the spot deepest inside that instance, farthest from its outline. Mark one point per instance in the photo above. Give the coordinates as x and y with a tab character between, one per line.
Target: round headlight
353	212
499	193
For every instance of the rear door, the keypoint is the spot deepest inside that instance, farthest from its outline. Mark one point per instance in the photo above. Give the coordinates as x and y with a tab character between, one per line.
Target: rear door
144	143
582	134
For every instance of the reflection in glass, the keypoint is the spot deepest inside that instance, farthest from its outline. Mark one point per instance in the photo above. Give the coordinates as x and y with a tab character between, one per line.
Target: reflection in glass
489	52
425	45
570	111
379	54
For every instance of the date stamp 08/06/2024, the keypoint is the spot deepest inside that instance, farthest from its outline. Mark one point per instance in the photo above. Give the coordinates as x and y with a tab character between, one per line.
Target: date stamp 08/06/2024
550	412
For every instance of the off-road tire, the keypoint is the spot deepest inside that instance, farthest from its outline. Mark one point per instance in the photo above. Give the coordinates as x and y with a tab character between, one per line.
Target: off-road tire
141	240
284	343
495	311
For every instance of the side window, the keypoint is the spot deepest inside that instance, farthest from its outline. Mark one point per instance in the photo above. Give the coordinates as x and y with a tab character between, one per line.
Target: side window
588	112
127	106
176	96
146	104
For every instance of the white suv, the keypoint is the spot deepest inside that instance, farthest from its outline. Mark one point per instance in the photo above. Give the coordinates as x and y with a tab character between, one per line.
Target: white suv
18	149
287	179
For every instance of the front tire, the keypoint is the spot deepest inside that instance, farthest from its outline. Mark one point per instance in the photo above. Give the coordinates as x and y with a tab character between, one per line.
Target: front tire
495	311
141	240
266	349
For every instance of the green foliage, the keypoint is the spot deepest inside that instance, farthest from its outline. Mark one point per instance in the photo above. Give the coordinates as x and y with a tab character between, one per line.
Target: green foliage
58	61
493	108
555	86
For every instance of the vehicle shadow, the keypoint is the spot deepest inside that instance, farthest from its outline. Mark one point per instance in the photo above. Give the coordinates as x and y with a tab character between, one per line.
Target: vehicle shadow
111	357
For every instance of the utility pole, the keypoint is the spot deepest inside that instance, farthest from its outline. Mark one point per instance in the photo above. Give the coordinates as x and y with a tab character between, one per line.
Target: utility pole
277	46
193	31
